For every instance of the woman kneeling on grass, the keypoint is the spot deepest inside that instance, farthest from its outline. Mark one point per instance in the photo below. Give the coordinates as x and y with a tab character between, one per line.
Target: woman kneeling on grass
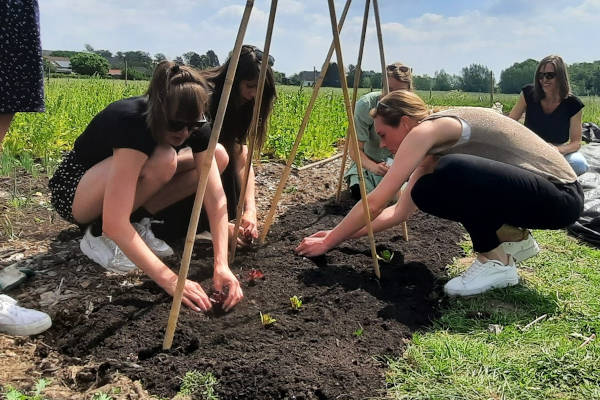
127	159
470	165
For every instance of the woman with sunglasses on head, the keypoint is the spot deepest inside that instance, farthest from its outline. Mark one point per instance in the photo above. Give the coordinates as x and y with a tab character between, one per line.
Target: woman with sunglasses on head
375	160
125	160
234	134
552	111
470	165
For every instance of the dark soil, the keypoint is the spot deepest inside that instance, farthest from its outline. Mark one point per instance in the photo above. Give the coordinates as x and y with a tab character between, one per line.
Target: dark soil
334	347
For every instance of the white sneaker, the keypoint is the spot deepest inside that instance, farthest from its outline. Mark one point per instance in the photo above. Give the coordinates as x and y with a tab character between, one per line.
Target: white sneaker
158	246
481	277
105	252
523	249
19	321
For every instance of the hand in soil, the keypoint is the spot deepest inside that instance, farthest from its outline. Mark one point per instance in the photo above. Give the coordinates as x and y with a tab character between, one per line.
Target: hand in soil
249	225
242	239
224	278
313	245
193	295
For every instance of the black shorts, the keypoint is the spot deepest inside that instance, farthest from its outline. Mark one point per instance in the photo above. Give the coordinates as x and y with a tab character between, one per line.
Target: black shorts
63	185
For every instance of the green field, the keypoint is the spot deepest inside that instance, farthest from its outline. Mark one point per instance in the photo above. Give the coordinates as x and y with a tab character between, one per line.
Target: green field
71	104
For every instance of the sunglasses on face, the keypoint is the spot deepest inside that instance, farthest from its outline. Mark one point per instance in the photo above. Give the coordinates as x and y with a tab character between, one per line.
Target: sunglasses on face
176	126
259	55
548	75
401	68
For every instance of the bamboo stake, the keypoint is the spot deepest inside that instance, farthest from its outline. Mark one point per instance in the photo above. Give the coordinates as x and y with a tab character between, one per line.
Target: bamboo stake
357	73
212	144
253	129
292	156
361	179
384	78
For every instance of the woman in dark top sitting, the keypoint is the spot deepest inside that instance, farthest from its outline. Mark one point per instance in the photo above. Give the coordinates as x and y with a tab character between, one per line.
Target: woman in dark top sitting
552	111
126	160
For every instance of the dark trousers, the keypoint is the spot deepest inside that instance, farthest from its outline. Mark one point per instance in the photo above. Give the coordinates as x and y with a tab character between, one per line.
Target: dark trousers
483	195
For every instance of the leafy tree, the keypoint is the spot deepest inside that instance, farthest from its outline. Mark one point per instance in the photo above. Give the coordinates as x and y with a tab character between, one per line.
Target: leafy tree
294	80
332	76
279	77
422	82
513	78
375	80
63	53
476	78
585	78
213	60
442	81
158	57
179	61
89	64
48	66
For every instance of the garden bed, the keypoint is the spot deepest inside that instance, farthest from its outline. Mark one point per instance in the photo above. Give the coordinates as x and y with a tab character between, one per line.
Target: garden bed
334	347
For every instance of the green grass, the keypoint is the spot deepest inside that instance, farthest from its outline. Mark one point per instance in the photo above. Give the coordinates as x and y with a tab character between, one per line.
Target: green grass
462	357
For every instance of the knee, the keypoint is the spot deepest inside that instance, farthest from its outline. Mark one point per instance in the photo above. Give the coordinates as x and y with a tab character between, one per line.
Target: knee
221	157
161	166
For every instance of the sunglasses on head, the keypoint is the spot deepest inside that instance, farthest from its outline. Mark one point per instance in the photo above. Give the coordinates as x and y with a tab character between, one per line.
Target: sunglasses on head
382	105
401	68
259	55
547	75
176	126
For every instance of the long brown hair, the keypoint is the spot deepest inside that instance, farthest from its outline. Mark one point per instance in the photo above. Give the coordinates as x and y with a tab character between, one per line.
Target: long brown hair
393	106
175	92
239	113
564	89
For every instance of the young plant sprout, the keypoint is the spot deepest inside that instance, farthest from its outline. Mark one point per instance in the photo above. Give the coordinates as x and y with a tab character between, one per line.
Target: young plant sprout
296	303
254	275
266	319
359	332
386	255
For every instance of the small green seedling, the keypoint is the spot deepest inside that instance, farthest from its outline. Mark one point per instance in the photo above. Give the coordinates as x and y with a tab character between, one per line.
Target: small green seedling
266	319
386	255
296	303
359	332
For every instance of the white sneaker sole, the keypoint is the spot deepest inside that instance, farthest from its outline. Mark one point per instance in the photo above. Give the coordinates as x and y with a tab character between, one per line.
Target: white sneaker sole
27	330
498	284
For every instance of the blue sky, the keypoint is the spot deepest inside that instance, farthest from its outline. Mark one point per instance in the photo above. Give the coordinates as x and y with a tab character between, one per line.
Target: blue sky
427	35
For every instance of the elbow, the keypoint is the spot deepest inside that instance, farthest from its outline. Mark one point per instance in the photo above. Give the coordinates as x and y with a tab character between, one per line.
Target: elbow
374	210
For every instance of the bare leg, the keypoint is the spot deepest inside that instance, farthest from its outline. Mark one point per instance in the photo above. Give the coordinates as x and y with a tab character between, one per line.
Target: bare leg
156	172
5	120
185	181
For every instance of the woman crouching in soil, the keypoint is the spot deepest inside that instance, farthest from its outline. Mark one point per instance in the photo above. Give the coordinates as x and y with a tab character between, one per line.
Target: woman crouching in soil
127	159
470	165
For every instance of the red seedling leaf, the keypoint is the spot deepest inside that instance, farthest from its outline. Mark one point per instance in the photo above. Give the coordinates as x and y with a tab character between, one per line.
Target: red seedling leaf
254	275
218	297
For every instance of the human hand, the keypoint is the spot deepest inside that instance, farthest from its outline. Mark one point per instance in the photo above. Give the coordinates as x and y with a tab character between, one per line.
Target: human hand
242	241
313	245
224	278
249	225
193	295
379	168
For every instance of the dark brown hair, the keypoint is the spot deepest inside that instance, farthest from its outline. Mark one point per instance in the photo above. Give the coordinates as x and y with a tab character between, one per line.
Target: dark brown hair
564	89
393	106
239	113
175	92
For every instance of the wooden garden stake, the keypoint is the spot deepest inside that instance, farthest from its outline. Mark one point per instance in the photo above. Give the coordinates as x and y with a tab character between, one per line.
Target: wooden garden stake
357	73
352	130
384	78
288	167
212	144
253	129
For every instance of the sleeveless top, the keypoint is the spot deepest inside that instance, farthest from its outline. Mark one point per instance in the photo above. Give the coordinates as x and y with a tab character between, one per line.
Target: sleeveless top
497	137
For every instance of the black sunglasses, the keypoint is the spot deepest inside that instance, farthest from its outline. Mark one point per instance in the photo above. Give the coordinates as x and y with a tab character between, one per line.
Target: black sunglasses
259	55
547	75
176	126
401	68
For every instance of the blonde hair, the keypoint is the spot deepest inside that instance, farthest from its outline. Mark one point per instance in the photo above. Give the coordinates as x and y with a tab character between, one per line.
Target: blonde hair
393	106
400	72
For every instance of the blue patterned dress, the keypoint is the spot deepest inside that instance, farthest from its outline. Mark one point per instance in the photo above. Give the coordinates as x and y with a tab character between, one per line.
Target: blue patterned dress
21	68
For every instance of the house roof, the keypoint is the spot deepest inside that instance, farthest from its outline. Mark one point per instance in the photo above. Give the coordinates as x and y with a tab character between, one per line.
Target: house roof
62	64
308	75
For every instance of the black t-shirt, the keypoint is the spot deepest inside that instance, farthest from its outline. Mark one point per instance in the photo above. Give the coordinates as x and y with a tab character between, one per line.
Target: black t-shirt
122	124
553	127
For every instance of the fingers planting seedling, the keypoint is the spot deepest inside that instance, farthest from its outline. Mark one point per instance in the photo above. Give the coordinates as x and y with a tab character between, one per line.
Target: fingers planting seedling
266	320
296	303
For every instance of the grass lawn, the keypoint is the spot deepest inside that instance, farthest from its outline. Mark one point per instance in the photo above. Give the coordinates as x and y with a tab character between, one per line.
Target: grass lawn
484	348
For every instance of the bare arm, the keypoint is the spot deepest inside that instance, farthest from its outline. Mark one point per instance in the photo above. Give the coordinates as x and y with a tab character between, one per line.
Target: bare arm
517	111
574	142
248	222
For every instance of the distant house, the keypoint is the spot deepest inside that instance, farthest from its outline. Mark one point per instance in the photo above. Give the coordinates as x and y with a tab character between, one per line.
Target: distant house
62	64
308	77
115	73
